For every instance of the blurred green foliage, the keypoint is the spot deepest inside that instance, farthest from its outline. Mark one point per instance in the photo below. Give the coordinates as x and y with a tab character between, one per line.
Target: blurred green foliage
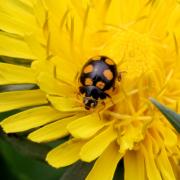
17	166
170	115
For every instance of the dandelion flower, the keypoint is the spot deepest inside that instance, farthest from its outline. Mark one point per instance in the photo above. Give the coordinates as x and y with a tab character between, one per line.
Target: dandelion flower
57	38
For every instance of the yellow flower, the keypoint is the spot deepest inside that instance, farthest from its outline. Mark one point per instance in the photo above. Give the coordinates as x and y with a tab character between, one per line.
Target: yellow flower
57	38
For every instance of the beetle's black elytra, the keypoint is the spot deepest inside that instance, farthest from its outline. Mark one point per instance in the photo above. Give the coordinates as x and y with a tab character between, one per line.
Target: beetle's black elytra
97	76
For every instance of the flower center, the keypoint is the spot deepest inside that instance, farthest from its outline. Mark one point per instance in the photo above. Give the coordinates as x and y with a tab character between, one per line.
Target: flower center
136	53
143	76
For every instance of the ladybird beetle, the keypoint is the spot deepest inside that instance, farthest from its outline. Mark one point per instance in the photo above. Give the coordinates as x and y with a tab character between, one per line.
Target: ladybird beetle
97	76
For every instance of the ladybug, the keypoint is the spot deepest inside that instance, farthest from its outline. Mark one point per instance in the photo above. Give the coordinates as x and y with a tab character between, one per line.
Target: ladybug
97	76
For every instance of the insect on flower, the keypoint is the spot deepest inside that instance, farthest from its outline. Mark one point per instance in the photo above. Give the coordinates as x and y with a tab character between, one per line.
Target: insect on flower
98	76
52	39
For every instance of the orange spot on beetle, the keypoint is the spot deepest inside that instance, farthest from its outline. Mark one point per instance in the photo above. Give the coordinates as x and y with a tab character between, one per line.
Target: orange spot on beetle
100	84
109	61
88	82
88	69
108	74
96	58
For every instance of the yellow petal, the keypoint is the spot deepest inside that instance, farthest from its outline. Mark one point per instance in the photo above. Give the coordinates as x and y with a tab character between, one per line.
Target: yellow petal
12	74
19	99
175	167
43	66
134	165
66	70
151	167
105	165
14	47
31	118
65	154
95	147
27	2
56	6
40	12
36	48
165	166
11	24
158	20
52	131
55	21
170	137
173	24
57	38
17	17
126	11
65	103
55	87
132	135
86	126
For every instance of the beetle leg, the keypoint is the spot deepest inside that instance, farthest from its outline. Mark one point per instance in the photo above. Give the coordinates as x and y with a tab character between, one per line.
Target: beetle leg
119	77
110	98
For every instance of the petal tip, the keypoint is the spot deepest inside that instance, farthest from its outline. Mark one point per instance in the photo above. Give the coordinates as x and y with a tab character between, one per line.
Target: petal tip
52	161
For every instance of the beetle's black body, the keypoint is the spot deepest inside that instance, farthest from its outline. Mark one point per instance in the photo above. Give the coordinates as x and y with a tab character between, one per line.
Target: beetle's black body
98	75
